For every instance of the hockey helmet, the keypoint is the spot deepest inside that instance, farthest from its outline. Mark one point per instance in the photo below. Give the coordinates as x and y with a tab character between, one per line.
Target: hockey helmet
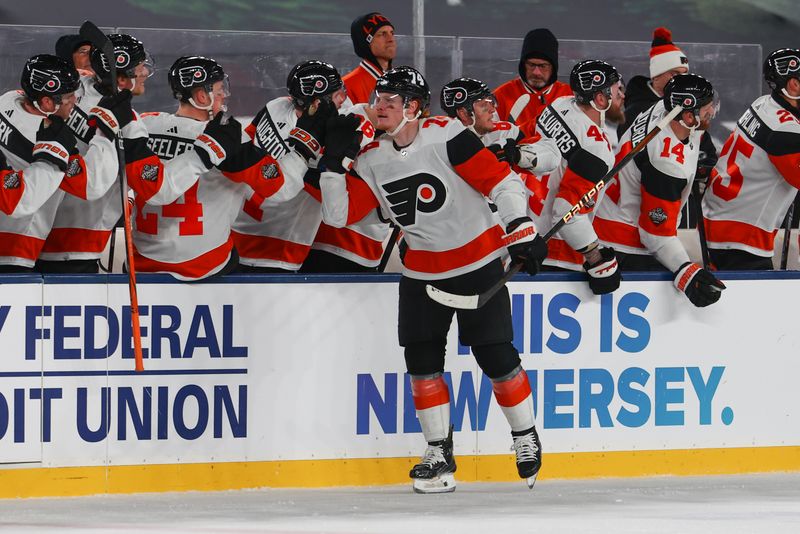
189	72
691	91
463	93
781	66
312	79
48	75
129	52
406	82
590	77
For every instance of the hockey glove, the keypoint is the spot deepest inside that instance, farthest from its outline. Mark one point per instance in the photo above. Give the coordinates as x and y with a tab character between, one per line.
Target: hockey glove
112	113
54	143
604	274
509	152
705	165
525	246
343	142
700	286
308	135
218	140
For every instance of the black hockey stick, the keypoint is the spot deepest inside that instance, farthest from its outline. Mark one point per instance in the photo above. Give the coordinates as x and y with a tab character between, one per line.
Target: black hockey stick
90	32
701	229
472	302
389	248
787	234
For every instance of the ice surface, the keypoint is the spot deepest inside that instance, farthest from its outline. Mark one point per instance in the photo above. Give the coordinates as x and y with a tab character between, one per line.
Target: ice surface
709	505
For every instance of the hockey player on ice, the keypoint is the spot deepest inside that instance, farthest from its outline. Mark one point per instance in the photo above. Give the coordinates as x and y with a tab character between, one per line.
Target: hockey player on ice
576	123
432	176
33	132
758	173
640	214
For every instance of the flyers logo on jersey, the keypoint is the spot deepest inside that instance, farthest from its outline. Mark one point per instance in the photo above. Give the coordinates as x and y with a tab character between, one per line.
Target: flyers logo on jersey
44	81
787	65
454	95
591	79
421	192
313	84
191	76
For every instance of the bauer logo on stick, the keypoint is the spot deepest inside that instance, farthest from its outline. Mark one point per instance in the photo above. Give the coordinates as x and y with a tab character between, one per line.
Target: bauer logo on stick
313	84
44	81
190	76
591	79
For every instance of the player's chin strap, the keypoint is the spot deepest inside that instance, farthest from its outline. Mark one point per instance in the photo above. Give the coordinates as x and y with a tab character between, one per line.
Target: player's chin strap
787	95
696	123
208	108
601	111
404	122
43	112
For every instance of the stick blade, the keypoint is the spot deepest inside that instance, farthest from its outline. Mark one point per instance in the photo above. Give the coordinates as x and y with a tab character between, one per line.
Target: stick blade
461	302
90	32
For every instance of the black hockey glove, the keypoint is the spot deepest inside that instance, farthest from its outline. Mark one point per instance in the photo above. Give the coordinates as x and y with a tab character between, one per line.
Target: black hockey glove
112	113
509	152
54	143
705	164
700	286
308	135
342	143
525	246
218	141
604	273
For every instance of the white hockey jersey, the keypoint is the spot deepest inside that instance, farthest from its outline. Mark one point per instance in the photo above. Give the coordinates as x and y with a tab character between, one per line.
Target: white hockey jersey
188	233
586	158
756	178
22	237
642	206
276	233
435	190
82	227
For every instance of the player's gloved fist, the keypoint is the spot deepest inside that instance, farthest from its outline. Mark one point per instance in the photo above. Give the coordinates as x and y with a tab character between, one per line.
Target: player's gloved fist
112	113
342	143
700	286
218	141
603	271
525	246
308	135
54	142
508	152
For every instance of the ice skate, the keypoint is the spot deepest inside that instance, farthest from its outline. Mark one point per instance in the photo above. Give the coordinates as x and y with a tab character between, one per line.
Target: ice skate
434	473
529	454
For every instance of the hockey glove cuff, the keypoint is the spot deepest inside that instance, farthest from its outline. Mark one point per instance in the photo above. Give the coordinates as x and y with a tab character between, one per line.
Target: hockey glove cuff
112	113
218	141
54	143
604	273
700	286
525	245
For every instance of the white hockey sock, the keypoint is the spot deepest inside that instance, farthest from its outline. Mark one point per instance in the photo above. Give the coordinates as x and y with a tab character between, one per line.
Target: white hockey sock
432	401
514	396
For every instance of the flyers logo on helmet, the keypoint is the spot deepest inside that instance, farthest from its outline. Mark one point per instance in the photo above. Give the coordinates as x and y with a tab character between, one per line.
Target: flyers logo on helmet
787	64
591	79
423	193
44	81
190	76
454	96
685	100
123	59
313	84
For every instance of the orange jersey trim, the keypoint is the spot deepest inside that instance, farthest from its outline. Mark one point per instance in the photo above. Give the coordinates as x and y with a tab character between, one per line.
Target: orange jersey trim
617	233
559	250
76	240
195	268
350	240
20	246
428	261
739	232
270	248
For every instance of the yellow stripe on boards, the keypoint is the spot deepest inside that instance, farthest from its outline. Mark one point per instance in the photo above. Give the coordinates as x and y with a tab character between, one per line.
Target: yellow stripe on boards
74	481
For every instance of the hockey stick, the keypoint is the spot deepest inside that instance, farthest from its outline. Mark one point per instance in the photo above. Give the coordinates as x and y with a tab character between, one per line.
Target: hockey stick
518	106
99	40
787	234
701	230
389	248
472	302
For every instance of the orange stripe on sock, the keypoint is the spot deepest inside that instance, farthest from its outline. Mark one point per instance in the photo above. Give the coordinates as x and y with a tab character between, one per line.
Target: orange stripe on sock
511	392
428	393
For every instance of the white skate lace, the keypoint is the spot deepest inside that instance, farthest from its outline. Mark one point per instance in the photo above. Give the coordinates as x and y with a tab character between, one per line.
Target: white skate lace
525	448
433	455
